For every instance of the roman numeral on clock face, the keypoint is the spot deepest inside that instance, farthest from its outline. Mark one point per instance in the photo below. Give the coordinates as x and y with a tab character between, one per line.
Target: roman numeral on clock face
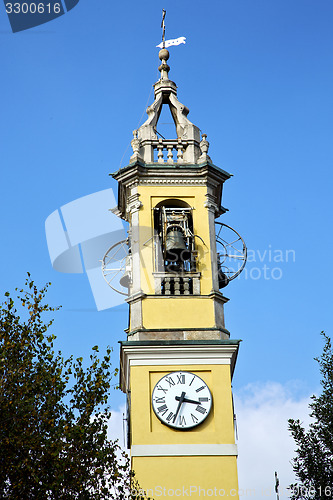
160	388
170	381
203	400
201	409
162	409
200	388
194	418
161	400
181	420
181	379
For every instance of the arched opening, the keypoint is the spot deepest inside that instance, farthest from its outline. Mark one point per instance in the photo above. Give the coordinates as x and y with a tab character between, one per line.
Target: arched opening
174	238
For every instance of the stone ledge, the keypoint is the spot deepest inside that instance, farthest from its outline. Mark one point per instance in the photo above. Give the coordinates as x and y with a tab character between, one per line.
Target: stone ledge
179	334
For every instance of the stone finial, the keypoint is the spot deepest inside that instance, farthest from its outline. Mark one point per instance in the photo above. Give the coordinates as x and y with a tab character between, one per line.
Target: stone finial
135	143
164	68
204	146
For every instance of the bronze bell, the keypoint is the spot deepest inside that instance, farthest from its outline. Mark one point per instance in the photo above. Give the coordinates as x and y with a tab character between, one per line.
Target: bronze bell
176	249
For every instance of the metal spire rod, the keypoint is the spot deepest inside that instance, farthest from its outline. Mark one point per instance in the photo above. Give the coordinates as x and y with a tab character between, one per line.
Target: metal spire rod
277	483
163	26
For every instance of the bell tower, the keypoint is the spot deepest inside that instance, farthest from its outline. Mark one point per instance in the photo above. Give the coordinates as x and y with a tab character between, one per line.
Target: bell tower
178	360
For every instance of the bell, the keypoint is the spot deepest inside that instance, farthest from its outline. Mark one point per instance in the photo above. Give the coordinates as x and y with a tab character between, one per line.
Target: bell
223	278
175	246
125	280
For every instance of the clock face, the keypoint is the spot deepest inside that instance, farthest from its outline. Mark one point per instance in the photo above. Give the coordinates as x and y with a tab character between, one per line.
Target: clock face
181	400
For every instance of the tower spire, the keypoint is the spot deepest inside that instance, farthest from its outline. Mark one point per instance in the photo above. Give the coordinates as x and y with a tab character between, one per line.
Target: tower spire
164	68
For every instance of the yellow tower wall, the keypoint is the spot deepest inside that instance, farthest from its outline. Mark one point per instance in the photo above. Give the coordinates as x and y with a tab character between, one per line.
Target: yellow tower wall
199	460
192	312
200	477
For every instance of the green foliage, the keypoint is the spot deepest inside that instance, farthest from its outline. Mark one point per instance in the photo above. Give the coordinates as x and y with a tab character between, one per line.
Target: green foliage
54	413
313	464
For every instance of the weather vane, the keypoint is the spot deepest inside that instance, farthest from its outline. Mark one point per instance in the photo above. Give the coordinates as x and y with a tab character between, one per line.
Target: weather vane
163	28
167	43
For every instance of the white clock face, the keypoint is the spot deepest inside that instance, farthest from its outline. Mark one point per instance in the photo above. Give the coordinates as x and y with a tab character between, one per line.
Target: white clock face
181	400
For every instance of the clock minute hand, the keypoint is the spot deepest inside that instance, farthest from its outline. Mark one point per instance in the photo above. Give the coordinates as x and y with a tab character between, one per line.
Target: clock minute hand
185	400
181	400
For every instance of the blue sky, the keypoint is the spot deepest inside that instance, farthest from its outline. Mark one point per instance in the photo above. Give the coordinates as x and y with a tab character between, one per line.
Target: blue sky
257	77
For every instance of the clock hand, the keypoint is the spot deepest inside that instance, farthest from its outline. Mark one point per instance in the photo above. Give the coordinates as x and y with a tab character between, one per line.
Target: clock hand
185	400
181	399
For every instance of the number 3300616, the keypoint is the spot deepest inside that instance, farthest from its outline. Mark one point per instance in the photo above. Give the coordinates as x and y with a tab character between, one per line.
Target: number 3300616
33	8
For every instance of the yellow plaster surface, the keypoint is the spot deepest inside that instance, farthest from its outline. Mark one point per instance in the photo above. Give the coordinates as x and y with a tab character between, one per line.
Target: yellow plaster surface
178	312
188	477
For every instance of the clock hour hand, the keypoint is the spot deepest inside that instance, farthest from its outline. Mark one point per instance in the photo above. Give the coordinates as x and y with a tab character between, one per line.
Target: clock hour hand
181	400
185	400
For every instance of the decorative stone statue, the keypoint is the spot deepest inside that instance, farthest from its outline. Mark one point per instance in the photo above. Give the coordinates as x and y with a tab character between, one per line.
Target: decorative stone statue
204	146
135	143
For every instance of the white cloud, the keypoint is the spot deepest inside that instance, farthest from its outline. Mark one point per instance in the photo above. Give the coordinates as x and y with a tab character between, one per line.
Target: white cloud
116	429
264	443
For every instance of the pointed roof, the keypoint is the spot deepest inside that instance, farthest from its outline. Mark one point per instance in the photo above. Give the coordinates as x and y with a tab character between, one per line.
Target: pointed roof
188	135
156	160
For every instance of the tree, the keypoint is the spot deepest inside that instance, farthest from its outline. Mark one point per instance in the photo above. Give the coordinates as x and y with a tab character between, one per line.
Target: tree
54	413
313	464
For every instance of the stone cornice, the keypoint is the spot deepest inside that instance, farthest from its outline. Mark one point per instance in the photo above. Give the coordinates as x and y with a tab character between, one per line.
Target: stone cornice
139	173
180	182
136	343
175	353
156	170
203	174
